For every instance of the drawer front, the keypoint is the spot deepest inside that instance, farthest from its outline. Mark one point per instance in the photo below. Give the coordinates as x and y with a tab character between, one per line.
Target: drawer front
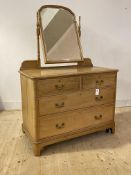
69	121
98	80
58	85
80	99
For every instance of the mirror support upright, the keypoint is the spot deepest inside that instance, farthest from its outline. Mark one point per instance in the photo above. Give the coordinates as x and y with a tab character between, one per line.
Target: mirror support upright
79	26
38	39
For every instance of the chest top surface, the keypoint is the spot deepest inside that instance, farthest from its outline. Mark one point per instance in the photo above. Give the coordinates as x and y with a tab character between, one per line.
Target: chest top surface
63	71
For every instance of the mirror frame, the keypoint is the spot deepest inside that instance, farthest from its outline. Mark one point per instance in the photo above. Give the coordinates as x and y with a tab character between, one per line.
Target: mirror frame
40	36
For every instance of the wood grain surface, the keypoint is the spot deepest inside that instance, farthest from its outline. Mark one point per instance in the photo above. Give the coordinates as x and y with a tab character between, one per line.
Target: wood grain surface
64	71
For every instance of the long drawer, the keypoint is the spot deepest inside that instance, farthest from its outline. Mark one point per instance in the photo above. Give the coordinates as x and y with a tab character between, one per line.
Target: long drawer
99	80
75	100
73	120
57	85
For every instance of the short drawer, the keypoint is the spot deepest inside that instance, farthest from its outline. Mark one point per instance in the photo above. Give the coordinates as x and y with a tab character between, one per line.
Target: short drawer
99	80
80	99
57	85
69	121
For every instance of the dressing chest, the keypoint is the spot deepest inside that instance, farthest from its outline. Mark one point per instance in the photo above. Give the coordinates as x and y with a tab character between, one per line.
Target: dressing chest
61	103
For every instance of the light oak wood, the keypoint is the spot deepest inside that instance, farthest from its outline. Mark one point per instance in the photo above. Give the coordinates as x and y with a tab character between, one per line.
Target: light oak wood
98	80
85	63
51	115
30	64
29	106
66	71
57	85
75	100
74	120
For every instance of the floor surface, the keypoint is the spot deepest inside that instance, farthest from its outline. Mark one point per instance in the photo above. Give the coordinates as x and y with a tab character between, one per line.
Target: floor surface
95	154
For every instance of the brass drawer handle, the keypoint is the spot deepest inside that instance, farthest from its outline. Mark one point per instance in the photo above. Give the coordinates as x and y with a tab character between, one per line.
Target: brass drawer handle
60	105
60	126
97	82
102	81
59	87
98	117
99	98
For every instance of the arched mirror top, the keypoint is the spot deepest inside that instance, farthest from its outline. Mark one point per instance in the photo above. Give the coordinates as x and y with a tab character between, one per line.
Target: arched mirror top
59	34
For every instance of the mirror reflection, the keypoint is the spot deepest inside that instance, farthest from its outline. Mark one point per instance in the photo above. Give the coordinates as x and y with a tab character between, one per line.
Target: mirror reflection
60	36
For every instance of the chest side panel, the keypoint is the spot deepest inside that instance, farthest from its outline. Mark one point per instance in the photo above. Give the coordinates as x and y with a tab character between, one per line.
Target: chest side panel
29	106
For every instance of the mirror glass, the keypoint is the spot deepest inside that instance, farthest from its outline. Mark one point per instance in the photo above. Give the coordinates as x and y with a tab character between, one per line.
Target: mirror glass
59	34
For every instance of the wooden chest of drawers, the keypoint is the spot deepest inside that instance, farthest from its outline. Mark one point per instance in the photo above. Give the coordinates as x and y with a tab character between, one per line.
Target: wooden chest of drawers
63	103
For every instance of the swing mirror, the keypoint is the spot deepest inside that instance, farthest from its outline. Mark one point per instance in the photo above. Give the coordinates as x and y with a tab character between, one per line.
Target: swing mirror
59	35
